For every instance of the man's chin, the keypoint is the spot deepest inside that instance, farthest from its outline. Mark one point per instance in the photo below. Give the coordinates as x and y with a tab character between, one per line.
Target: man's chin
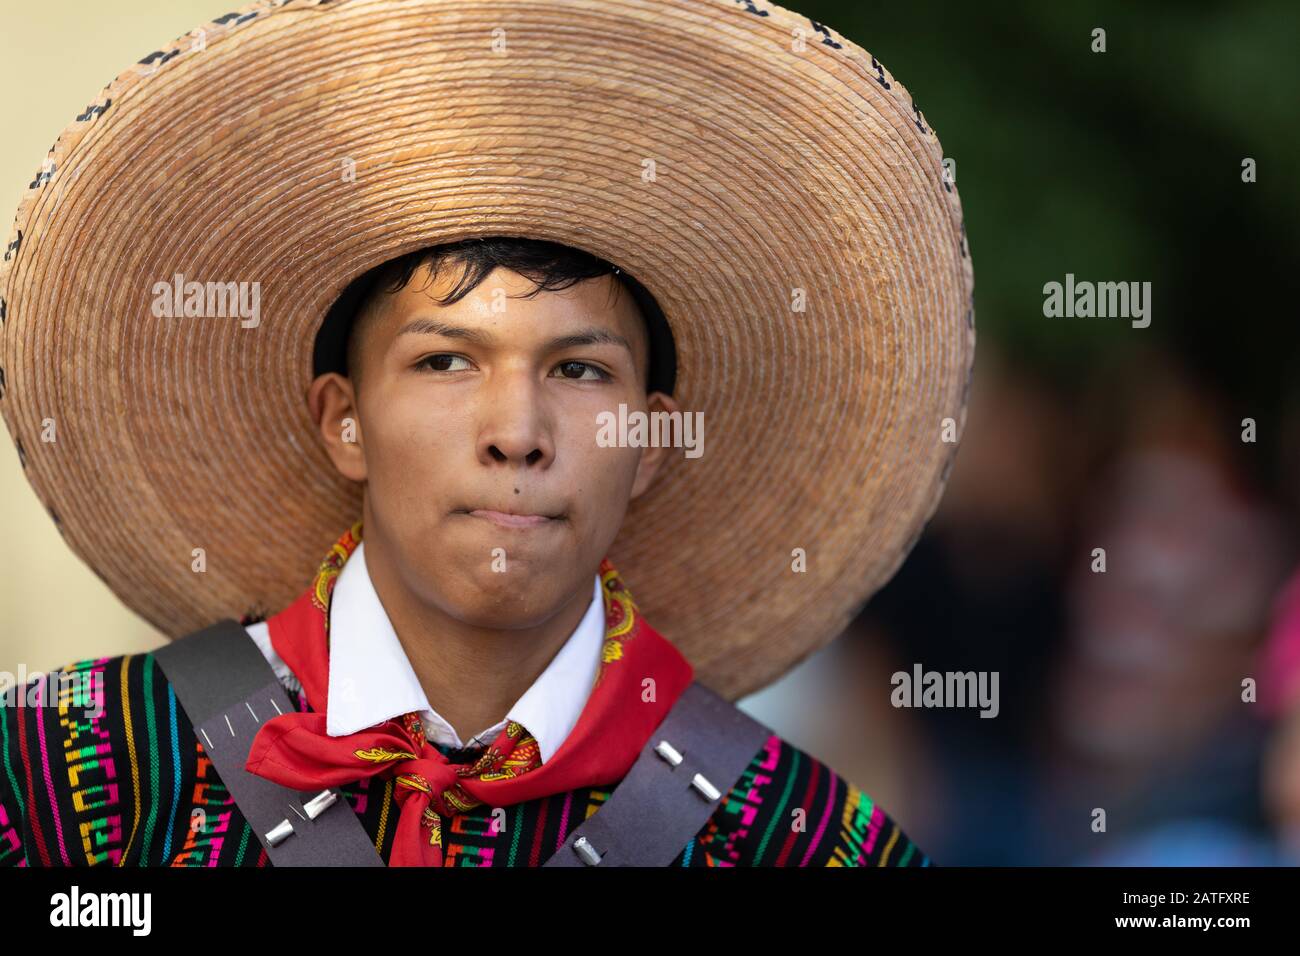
508	617
527	593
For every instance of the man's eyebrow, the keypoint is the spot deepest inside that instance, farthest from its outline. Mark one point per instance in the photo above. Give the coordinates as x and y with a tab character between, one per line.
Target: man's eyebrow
434	327
589	336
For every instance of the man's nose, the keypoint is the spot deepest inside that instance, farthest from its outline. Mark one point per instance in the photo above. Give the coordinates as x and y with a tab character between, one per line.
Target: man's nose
515	426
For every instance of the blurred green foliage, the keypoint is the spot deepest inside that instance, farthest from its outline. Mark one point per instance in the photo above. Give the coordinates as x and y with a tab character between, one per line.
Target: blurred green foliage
1116	166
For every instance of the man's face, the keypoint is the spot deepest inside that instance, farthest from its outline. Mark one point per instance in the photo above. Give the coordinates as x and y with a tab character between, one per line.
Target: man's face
475	436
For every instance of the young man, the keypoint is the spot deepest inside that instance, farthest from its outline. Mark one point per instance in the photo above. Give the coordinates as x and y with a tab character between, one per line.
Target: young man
468	413
467	425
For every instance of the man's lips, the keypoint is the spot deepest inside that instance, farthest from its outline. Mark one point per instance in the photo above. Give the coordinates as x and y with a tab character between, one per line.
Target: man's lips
507	519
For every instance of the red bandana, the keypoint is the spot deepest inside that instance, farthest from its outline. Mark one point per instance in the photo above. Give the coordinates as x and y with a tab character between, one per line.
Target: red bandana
294	749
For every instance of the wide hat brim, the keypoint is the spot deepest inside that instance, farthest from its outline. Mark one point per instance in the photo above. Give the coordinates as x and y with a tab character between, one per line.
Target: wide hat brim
774	188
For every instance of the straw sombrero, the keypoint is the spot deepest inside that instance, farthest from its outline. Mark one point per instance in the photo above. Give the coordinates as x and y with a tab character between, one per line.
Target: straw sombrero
773	186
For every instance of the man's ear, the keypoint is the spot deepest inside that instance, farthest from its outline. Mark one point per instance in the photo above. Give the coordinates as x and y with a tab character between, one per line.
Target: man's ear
332	402
653	458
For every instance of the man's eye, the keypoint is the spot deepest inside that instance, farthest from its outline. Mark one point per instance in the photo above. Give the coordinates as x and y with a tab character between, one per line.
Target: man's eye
576	370
442	362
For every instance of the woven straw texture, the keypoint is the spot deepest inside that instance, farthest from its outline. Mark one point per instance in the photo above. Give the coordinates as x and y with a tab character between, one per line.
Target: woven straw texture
788	166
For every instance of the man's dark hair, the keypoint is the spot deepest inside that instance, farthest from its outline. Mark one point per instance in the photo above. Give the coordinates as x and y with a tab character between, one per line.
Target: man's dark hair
551	265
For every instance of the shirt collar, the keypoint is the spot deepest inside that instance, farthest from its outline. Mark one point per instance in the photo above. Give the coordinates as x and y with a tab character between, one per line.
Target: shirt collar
371	679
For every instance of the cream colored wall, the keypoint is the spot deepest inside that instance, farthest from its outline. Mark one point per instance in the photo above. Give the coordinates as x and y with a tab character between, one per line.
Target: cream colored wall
57	57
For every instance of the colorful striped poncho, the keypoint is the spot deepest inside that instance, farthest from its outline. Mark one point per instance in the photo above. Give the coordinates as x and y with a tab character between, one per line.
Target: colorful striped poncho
132	786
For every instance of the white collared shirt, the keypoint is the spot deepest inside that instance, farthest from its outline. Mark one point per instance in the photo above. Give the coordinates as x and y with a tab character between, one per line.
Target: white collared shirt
371	679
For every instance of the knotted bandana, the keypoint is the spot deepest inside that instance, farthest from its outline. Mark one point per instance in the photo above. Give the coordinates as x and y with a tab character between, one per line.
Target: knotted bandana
294	749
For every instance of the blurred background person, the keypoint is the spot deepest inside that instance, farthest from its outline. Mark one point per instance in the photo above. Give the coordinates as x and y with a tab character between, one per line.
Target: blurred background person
1147	718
